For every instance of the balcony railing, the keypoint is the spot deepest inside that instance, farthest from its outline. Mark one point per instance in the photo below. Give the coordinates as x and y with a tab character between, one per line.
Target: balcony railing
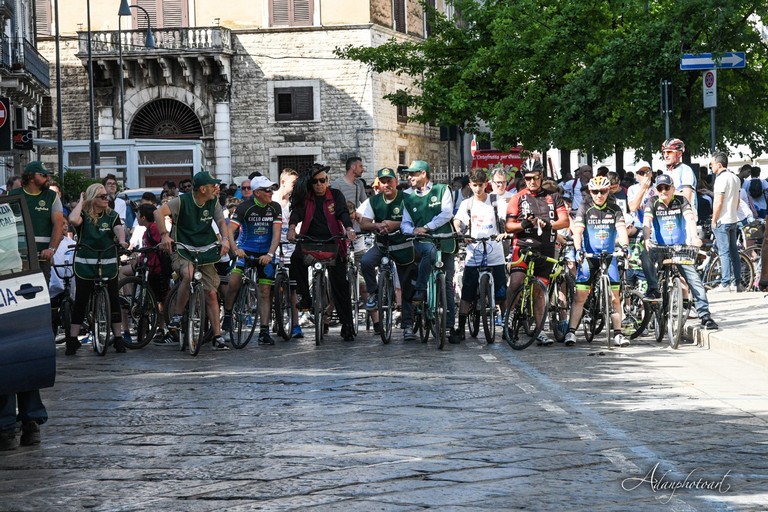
6	7
182	38
5	52
19	55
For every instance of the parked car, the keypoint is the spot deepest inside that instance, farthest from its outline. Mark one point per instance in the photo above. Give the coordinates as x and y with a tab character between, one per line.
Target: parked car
134	194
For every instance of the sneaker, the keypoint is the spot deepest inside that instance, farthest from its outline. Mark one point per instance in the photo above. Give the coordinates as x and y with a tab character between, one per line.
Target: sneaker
127	337
265	338
304	304
72	345
461	334
8	440
30	433
218	343
226	323
175	324
372	302
499	320
736	288
408	334
570	339
454	338
652	295
709	324
620	341
165	339
117	342
376	328
347	333
720	289
296	333
543	340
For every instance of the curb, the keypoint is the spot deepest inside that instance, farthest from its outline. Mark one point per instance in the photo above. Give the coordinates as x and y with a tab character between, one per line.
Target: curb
718	341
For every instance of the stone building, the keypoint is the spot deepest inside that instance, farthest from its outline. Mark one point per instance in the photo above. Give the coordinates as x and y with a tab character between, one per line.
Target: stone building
257	82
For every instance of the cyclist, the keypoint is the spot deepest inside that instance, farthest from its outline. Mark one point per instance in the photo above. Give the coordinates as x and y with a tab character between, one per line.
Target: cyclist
322	212
193	215
535	215
669	219
382	213
429	209
259	220
682	175
479	216
596	227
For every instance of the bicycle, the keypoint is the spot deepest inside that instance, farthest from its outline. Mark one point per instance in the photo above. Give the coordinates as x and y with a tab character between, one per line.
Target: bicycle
484	305
599	305
637	312
560	295
709	266
671	314
386	290
194	328
431	315
99	309
140	301
65	272
521	310
245	311
282	301
353	278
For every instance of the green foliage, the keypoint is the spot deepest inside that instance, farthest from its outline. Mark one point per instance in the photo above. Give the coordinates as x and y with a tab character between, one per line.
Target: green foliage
583	75
74	183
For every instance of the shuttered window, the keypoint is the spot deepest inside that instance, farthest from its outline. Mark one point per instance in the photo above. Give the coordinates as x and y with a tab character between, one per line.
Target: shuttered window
43	17
46	113
294	103
291	13
429	11
398	15
162	13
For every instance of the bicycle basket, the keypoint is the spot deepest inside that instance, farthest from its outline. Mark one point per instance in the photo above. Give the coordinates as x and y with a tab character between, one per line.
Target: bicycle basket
675	254
322	253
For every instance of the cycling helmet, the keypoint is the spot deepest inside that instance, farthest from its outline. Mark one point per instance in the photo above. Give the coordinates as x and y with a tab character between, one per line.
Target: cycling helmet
599	183
536	167
673	145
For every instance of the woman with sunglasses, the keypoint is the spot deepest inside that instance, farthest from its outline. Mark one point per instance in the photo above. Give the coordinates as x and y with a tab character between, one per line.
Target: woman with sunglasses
99	227
638	196
322	212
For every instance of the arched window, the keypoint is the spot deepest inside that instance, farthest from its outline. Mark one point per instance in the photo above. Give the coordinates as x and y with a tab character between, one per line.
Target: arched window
166	119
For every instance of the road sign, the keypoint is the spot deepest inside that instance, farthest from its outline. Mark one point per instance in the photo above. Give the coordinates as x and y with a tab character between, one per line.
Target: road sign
709	84
3	114
702	61
473	147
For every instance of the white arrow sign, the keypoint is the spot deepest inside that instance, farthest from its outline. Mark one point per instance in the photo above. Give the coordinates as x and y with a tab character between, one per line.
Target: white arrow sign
701	61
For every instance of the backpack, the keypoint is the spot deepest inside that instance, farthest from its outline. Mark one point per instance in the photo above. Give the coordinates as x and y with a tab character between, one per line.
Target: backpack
500	224
159	261
756	188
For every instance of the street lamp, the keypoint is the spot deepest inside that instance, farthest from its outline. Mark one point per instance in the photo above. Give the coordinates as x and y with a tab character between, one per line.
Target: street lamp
91	107
149	42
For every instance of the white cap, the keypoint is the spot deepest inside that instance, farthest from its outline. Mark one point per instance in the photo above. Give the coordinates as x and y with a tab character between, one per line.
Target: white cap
642	164
261	182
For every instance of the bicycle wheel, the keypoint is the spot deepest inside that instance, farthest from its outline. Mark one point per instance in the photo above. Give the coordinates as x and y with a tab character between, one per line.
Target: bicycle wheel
170	301
441	310
747	270
560	299
65	315
675	318
195	319
419	327
282	305
141	304
243	322
520	316
354	295
318	306
473	319
102	322
487	307
606	305
637	313
386	304
590	319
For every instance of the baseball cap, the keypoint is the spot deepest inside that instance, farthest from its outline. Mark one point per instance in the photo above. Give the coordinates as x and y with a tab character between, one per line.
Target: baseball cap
262	182
386	172
583	168
642	164
417	166
664	179
36	167
317	168
204	178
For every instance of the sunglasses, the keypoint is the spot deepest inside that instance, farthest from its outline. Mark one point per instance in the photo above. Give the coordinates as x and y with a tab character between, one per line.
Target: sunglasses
599	192
532	178
663	188
499	183
246	188
642	173
104	197
318	180
267	190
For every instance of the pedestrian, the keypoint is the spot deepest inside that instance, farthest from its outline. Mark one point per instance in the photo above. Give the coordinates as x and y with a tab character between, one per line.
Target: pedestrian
724	223
757	187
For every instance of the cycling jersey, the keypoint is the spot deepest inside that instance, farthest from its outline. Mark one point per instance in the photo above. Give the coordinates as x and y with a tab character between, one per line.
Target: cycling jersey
599	224
543	205
255	222
668	221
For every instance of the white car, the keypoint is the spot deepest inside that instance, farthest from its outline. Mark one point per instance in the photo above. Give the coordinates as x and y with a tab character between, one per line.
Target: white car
27	346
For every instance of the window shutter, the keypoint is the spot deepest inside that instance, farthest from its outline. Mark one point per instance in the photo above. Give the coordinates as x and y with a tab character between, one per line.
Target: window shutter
175	13
280	13
302	12
303	101
294	104
291	13
398	14
43	17
46	113
140	20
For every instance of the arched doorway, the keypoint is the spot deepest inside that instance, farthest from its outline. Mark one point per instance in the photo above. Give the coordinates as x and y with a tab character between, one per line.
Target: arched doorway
166	118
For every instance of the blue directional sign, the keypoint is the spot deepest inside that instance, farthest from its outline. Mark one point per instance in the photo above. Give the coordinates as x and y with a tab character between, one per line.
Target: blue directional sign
701	61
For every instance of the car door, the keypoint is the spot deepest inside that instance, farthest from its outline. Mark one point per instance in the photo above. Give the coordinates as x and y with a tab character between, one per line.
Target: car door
27	345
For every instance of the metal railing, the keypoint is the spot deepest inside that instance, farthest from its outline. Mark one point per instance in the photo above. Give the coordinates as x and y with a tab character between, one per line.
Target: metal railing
181	38
5	52
18	54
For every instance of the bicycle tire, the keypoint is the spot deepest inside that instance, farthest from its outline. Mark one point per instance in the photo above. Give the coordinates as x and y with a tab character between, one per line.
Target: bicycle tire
243	312
65	315
473	319
606	305
102	321
318	308
675	319
419	327
590	317
354	295
441	310
282	306
713	274
195	320
386	292
637	313
520	315
659	323
170	301
487	307
559	307
142	309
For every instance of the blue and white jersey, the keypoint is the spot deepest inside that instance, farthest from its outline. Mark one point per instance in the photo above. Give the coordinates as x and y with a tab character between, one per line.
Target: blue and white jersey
256	221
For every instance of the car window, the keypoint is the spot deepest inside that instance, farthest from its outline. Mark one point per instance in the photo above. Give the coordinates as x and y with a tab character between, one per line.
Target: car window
14	252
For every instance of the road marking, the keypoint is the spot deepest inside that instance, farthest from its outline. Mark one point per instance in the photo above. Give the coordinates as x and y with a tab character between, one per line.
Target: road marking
528	389
620	461
582	431
551	407
489	358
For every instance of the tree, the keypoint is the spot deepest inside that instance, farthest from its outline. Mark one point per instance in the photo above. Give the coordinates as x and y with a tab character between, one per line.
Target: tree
583	75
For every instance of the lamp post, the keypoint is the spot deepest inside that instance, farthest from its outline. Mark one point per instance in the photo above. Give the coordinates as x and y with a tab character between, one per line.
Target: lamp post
149	42
91	103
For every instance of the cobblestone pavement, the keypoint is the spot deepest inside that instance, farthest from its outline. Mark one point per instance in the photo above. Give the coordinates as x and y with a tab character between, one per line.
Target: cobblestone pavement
400	427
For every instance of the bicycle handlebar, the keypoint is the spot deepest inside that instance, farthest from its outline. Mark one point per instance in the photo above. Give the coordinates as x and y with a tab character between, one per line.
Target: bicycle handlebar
306	238
197	250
